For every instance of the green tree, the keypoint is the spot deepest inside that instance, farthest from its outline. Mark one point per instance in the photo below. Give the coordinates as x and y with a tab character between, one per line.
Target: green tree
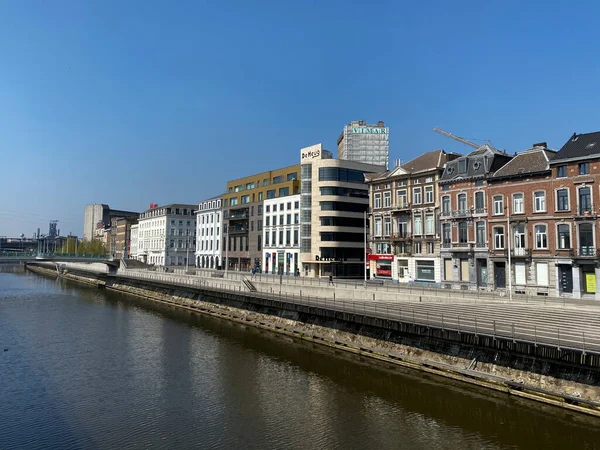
93	247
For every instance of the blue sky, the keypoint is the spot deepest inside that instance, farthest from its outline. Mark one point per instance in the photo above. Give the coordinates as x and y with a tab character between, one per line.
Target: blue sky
128	103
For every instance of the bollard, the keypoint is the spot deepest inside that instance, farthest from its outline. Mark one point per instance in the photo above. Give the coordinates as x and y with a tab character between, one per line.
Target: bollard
583	336
458	323
442	322
475	326
513	332
494	330
558	331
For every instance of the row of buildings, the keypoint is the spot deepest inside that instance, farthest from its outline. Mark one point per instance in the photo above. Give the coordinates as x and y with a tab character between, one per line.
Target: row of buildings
486	220
489	220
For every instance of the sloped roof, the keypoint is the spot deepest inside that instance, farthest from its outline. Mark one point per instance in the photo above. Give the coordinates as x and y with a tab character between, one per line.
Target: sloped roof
580	146
534	160
427	161
477	164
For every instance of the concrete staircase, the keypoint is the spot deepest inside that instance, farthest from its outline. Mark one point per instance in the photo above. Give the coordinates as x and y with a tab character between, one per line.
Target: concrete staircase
249	284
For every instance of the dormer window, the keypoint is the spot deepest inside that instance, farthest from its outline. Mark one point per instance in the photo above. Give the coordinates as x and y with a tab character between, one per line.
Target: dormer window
462	166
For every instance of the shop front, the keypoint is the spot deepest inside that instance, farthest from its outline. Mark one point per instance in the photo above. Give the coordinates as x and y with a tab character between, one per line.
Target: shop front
383	265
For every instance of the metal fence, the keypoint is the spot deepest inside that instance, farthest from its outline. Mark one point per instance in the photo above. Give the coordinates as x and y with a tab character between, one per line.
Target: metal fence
569	333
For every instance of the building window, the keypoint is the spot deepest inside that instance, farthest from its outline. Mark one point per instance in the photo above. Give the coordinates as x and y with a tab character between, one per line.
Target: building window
418	248
378	226
518	207
430	247
283	192
425	270
259	225
296	219
479	202
377	201
429	224
586	239
428	179
267	239
561	171
428	194
446	234
562	200
418	225
387	226
289	219
387	199
585	200
233	201
288	238
480	233
296	204
541	237
402	198
292	176
271	193
462	166
281	219
417	196
539	201
260	210
463	232
498	205
584	168
462	202
289	205
519	236
564	236
446	205
267	221
541	270
499	238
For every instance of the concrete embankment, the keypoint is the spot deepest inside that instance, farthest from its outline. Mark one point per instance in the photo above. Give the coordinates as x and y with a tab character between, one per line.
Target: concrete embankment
548	379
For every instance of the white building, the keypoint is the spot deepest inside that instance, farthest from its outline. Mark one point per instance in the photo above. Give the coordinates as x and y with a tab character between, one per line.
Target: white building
209	223
281	235
167	235
133	242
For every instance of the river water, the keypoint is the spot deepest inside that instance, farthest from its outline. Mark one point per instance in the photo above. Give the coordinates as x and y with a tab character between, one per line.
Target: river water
82	368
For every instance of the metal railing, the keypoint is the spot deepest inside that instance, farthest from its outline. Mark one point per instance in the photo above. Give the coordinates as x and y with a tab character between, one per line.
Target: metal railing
569	334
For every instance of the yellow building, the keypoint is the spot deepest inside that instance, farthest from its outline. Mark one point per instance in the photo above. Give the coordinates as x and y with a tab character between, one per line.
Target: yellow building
243	213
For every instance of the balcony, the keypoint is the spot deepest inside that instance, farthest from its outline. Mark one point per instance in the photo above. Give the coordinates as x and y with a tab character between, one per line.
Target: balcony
520	252
401	207
587	252
462	213
462	246
238	230
401	237
235	215
446	214
480	211
585	214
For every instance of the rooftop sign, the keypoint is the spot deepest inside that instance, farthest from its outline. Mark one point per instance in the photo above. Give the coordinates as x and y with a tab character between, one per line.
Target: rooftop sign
369	130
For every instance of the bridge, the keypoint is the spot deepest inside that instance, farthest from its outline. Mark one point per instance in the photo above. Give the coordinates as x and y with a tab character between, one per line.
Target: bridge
18	257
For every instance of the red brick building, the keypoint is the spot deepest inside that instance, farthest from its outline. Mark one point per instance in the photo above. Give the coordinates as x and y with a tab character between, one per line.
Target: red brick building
463	218
521	219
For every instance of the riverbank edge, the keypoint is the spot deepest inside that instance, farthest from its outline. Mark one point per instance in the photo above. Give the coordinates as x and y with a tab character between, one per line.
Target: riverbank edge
345	341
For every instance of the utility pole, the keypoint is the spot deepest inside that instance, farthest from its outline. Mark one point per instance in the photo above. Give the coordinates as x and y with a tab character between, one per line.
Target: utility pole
365	268
226	248
508	233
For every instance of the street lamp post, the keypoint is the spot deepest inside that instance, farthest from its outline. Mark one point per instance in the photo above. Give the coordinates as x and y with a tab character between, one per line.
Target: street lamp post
508	233
365	243
226	248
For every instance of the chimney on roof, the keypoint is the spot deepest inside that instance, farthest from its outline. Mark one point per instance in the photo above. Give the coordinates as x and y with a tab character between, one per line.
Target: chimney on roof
541	144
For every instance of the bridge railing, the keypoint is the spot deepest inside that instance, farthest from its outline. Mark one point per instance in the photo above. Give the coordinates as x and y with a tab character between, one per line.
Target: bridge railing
25	255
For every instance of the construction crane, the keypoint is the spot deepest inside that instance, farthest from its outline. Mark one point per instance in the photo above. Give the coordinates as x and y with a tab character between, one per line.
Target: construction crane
457	138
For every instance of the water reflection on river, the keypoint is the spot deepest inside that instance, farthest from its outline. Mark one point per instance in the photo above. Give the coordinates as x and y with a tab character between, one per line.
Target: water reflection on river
85	368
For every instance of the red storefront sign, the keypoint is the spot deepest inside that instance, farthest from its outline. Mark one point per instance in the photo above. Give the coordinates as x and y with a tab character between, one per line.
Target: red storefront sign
380	257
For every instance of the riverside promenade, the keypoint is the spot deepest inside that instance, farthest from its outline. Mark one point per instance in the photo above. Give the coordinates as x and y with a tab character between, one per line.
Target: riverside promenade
560	323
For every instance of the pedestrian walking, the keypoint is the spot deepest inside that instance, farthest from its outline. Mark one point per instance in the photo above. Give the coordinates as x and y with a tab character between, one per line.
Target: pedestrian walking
330	281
